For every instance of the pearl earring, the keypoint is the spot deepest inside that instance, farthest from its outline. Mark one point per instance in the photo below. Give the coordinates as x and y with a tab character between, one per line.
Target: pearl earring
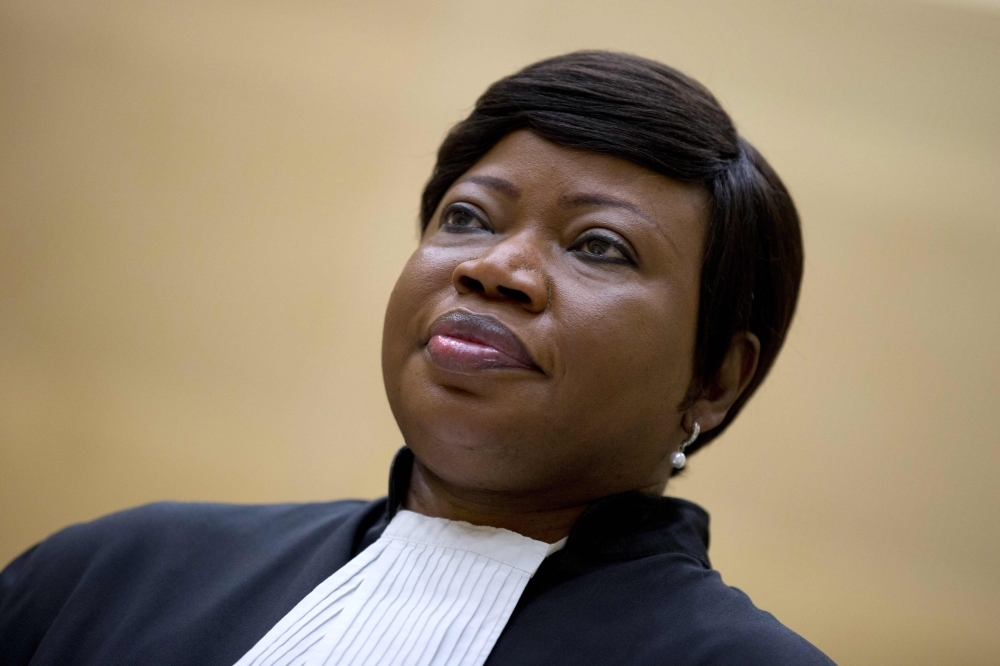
677	458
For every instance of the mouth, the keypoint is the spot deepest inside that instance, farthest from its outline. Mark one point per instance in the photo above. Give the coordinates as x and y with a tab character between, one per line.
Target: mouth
462	341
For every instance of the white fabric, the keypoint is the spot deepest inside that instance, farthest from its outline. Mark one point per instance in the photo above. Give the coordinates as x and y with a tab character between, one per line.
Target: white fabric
428	592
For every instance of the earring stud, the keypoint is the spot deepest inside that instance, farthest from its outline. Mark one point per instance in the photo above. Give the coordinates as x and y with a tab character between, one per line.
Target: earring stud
677	458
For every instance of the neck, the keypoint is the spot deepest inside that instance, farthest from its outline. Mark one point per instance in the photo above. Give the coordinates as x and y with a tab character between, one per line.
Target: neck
432	496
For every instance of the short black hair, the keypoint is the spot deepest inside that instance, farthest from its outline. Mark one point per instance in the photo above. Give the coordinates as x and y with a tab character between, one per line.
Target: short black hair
654	116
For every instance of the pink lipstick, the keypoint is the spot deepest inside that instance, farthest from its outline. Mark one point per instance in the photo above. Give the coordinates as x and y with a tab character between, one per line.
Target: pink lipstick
466	342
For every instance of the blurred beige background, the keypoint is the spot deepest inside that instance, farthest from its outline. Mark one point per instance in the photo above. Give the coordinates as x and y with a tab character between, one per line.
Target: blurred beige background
204	206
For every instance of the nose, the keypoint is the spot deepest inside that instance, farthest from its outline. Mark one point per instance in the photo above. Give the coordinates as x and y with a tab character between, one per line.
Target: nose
509	271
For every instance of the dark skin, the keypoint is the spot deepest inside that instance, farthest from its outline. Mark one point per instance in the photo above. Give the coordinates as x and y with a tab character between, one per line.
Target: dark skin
594	264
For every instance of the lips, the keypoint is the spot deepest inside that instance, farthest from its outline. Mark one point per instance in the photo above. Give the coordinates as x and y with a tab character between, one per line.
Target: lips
467	342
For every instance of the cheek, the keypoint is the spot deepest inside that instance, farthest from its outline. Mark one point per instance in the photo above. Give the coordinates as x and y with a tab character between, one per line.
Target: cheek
425	279
411	289
628	360
425	275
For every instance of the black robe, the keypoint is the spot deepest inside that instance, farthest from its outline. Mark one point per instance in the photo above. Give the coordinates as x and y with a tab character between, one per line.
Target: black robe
199	584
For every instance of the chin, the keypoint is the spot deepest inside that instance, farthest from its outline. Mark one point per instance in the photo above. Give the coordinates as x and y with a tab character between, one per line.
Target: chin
468	441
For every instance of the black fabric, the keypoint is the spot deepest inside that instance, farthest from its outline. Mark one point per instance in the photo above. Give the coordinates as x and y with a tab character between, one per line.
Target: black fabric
183	584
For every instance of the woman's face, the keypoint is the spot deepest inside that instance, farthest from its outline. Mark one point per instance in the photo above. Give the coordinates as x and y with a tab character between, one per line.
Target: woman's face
541	338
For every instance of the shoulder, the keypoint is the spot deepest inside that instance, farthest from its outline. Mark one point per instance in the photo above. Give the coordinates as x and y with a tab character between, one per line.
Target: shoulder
121	561
722	625
168	521
656	609
171	528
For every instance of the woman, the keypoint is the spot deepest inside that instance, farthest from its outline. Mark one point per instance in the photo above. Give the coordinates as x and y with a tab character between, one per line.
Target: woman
605	275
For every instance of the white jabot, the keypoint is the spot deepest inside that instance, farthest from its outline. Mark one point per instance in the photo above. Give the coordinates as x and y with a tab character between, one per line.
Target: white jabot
428	592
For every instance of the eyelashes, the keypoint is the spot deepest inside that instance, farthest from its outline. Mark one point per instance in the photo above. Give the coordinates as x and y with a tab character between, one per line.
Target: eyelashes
597	245
463	218
604	246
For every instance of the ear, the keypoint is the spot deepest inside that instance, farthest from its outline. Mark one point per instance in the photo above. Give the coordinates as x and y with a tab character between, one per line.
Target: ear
735	373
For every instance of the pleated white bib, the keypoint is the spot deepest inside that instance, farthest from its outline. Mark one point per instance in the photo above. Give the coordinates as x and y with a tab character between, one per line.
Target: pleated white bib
428	592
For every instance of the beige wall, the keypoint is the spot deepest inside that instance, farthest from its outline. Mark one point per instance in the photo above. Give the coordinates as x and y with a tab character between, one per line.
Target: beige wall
204	205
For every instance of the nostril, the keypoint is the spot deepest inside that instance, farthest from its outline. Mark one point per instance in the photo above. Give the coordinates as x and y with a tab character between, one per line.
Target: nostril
472	284
514	294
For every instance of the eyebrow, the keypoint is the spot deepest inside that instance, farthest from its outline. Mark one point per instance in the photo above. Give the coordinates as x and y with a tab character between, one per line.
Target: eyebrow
602	200
511	190
499	184
591	199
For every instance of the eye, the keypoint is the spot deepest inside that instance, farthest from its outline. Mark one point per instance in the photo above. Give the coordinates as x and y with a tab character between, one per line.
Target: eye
604	247
463	218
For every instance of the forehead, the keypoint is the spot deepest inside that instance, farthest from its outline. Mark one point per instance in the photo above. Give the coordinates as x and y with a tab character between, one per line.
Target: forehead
524	165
